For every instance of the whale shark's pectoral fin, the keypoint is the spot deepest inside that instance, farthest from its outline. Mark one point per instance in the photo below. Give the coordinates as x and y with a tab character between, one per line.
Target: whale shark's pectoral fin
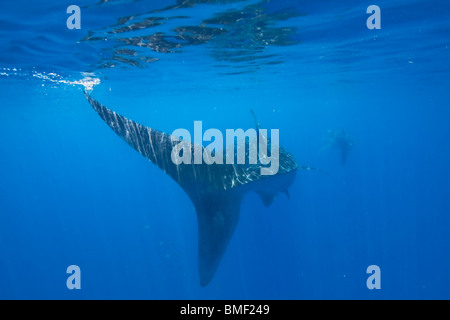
267	198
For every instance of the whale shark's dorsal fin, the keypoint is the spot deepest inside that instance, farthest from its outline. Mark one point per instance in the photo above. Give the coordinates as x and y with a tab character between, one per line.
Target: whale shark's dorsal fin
258	128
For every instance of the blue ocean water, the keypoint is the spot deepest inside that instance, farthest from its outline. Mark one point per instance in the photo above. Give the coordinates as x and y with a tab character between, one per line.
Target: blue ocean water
73	193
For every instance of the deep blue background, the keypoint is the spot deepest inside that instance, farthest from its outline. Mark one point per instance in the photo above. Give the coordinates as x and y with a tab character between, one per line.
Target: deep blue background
72	192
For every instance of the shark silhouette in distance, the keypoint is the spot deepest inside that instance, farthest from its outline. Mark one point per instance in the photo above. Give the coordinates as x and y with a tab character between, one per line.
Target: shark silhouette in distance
339	140
216	190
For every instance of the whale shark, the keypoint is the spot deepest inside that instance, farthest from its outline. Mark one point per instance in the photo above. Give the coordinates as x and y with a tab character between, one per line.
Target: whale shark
216	190
339	140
